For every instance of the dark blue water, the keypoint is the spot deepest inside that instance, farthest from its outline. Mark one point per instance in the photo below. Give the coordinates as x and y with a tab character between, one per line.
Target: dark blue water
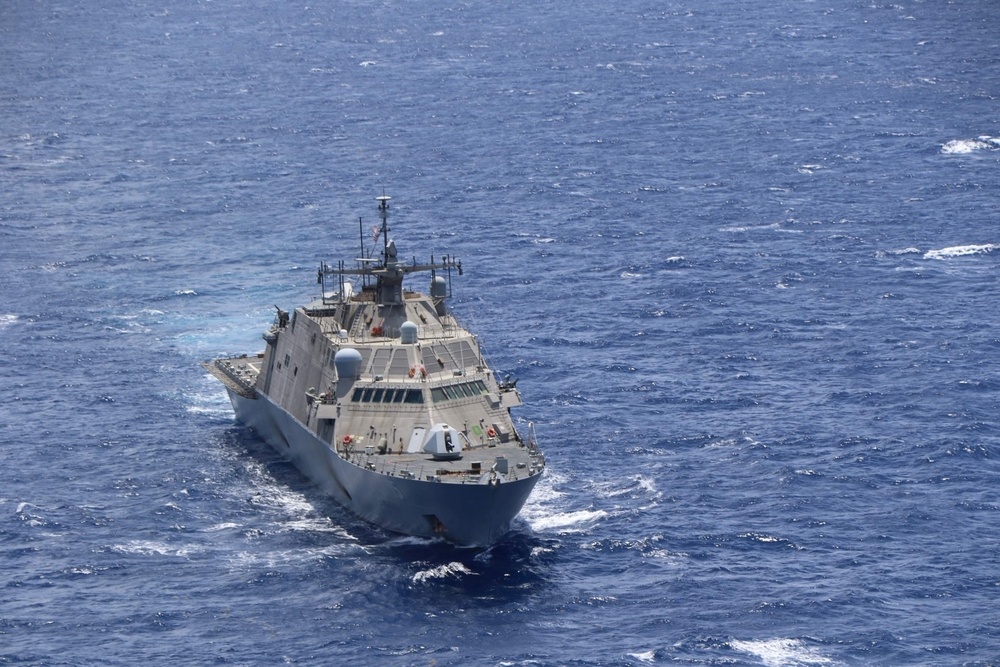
743	258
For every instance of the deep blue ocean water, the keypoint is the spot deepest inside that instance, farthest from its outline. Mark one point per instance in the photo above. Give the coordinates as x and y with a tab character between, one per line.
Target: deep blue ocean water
742	257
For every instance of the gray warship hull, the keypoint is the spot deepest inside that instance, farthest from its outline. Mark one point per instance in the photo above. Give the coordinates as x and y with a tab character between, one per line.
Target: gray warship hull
380	396
475	514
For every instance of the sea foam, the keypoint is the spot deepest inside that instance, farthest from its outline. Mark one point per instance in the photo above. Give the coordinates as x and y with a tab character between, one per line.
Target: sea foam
454	569
782	652
963	146
961	250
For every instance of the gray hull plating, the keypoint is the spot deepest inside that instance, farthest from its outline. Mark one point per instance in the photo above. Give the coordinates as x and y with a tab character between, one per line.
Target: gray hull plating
474	514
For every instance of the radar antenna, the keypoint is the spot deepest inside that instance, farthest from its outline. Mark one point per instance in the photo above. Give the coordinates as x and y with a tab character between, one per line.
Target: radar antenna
383	212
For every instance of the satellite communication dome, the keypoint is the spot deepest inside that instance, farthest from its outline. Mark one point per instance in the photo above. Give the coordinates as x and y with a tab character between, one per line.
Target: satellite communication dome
439	287
408	332
348	363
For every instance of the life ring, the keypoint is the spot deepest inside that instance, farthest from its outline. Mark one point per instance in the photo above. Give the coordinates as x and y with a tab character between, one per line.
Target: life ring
348	439
491	432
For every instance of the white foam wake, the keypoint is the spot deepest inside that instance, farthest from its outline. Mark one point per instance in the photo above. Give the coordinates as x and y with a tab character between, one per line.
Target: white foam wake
782	652
566	522
645	656
542	511
961	250
963	146
454	569
153	548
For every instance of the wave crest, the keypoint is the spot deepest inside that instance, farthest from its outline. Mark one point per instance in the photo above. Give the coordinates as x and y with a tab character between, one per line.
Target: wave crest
963	146
961	250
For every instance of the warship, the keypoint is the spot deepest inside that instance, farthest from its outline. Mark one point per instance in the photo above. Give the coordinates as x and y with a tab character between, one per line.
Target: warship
380	396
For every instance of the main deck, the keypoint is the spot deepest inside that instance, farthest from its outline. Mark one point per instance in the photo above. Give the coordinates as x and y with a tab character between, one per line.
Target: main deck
490	451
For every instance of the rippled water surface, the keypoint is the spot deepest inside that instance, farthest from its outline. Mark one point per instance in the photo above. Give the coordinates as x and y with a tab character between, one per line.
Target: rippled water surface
743	260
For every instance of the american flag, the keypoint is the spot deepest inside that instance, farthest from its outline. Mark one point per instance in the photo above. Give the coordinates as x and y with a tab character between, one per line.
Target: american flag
375	232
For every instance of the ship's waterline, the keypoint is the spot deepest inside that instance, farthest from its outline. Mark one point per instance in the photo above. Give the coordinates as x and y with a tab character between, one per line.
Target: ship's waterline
381	397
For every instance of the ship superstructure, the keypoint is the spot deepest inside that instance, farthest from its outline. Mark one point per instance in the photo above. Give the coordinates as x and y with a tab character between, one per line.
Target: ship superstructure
382	398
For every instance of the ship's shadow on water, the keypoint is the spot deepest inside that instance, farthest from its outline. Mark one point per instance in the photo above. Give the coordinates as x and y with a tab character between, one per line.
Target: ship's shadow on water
518	564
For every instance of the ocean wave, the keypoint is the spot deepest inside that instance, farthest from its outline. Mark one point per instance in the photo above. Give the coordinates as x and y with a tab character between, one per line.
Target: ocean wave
634	485
782	652
566	522
7	320
963	146
454	569
318	524
645	656
750	228
228	525
246	560
901	251
153	548
220	411
213	403
961	250
270	495
648	547
32	519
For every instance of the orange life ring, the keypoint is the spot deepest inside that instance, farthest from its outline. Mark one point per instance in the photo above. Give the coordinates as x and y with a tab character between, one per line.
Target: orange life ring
491	432
348	439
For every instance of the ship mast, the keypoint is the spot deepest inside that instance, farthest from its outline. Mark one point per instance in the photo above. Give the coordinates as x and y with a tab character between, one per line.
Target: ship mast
388	273
383	212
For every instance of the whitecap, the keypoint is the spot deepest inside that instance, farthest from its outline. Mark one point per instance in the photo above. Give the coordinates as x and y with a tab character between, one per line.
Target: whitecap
961	146
634	485
318	525
214	403
902	251
750	228
222	411
761	537
7	319
276	497
222	526
567	522
454	569
964	146
536	552
151	548
645	656
782	652
273	559
961	250
24	514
